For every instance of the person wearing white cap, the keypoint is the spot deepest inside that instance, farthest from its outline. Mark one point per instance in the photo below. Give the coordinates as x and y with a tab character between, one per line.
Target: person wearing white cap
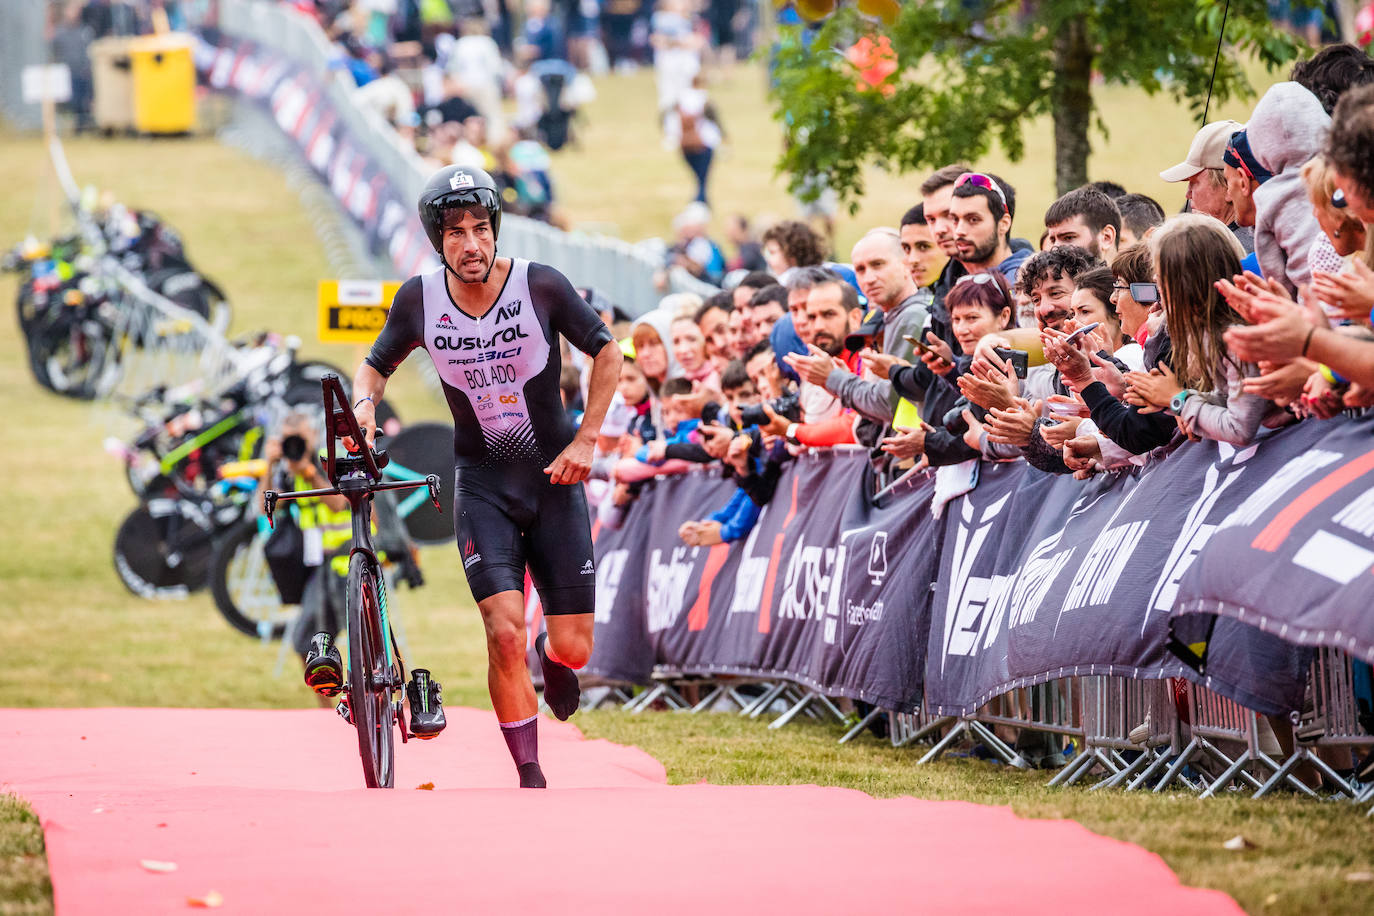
1202	169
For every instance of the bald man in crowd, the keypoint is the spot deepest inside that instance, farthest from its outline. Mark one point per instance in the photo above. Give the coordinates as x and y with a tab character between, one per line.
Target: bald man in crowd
895	311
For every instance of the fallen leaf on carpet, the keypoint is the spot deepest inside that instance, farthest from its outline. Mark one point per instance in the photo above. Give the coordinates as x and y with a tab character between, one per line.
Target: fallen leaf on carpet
427	786
211	900
1238	843
155	865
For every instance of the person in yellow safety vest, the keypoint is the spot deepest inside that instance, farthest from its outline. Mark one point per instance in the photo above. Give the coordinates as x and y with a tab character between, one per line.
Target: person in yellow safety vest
326	523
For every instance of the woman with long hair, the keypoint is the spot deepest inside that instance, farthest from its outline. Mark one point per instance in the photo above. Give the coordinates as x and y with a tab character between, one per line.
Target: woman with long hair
1202	387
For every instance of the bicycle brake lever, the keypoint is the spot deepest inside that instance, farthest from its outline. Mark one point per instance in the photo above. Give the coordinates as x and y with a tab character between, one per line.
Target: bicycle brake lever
269	505
433	481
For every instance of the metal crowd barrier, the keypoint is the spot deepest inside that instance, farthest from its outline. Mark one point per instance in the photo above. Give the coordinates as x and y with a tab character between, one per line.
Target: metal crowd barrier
1128	732
1331	723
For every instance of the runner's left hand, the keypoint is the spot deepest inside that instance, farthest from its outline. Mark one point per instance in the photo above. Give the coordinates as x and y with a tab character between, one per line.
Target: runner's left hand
573	464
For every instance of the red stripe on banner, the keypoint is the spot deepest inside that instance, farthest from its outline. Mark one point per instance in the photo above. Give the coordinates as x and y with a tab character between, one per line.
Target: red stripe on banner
308	107
1278	530
701	610
765	606
232	79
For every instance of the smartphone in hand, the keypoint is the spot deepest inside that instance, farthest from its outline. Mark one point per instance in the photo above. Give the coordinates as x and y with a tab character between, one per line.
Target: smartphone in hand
1081	331
1019	360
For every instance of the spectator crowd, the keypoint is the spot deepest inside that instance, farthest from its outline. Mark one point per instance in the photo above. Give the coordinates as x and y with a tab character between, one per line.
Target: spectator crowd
948	337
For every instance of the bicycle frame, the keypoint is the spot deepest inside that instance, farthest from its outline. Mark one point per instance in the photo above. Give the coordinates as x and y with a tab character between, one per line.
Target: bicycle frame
357	476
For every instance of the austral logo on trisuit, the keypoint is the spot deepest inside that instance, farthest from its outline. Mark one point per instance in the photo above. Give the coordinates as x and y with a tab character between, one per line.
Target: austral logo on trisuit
501	336
445	323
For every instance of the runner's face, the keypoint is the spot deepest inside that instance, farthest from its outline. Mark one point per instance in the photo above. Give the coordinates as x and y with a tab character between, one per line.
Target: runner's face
469	245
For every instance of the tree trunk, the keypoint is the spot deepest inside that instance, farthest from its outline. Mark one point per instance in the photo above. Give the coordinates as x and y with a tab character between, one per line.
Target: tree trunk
1072	104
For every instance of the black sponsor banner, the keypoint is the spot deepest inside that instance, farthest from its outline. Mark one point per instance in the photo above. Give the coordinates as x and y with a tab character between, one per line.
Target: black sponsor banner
1042	576
827	590
1296	559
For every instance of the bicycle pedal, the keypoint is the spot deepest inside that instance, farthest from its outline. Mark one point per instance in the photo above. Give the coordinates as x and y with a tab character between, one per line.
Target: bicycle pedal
344	711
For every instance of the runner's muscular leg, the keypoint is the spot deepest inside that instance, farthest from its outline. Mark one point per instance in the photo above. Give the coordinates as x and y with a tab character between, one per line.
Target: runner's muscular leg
508	676
570	638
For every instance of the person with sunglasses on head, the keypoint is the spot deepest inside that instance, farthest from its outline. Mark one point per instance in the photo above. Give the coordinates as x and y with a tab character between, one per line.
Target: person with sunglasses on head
492	325
981	209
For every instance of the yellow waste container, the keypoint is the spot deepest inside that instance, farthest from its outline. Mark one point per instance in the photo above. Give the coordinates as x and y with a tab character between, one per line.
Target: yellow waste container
112	106
164	84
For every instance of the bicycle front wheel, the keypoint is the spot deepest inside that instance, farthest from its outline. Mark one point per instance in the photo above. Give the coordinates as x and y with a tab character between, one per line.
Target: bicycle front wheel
370	675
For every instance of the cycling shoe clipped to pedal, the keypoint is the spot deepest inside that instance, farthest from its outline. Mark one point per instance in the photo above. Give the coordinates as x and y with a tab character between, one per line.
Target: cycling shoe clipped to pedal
324	666
426	704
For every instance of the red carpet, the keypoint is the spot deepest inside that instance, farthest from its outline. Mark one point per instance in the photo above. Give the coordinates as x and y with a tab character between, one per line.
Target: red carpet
263	807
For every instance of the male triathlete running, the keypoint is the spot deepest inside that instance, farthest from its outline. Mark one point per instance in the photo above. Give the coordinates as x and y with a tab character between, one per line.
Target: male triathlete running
491	325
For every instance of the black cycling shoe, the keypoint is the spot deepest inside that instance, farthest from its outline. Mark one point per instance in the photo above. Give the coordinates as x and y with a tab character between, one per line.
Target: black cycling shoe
561	690
426	704
324	666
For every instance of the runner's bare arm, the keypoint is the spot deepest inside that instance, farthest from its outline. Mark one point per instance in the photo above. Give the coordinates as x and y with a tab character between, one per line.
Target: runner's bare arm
402	333
368	387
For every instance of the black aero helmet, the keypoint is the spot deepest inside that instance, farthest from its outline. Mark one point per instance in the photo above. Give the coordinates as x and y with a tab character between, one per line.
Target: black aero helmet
458	186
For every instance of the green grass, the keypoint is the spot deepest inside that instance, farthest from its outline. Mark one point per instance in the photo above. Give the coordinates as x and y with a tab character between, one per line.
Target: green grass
80	640
24	886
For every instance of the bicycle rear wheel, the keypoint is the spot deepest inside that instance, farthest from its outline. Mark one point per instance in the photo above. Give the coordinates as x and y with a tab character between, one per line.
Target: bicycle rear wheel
370	675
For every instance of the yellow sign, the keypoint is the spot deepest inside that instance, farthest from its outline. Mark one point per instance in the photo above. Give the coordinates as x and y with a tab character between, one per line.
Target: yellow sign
353	311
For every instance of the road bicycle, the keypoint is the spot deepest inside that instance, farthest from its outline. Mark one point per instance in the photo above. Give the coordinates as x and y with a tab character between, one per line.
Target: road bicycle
376	671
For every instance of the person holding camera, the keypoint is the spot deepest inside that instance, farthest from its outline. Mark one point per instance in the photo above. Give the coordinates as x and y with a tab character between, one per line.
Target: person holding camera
325	524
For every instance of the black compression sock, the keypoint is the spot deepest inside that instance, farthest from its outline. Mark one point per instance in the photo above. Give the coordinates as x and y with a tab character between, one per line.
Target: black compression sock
531	777
561	690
